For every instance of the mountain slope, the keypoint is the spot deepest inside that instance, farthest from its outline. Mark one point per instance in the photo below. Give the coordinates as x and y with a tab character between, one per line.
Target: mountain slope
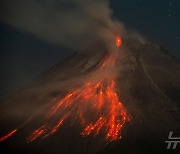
147	84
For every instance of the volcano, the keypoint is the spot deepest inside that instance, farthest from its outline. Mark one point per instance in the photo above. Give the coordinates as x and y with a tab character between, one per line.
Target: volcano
97	102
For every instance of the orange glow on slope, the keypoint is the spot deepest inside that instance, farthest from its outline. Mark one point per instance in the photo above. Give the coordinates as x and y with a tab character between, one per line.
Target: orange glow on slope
96	105
118	41
37	133
110	118
8	135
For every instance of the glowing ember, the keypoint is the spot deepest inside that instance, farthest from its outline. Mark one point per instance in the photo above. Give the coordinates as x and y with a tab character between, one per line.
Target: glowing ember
118	41
8	135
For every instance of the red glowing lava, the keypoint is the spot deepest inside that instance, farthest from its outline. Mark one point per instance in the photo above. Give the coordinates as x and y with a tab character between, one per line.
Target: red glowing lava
8	135
95	105
99	99
118	41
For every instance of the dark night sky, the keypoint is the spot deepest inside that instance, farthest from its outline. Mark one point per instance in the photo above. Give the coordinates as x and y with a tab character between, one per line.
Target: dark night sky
23	56
159	20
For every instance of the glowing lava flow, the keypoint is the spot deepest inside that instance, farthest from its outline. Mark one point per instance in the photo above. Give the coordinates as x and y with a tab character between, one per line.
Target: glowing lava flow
95	104
8	135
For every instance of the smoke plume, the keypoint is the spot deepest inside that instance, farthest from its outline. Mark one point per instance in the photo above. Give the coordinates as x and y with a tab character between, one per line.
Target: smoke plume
69	23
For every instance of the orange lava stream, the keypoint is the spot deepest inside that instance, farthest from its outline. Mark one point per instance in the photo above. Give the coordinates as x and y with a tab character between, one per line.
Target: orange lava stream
96	105
8	135
99	99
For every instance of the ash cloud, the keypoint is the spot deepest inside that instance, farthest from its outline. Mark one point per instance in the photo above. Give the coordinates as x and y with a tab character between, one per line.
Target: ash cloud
69	23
